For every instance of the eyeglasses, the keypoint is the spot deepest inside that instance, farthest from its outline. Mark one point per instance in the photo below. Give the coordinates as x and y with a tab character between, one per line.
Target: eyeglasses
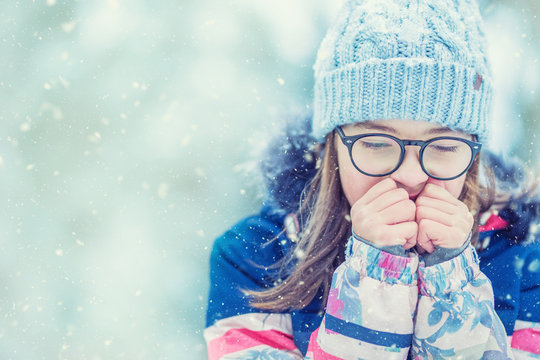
441	158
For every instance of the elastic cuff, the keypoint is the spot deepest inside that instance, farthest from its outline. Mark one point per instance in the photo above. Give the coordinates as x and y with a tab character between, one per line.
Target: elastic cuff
441	254
448	276
397	250
381	265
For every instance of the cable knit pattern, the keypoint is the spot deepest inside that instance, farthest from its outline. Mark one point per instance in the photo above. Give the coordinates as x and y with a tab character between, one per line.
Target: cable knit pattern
404	59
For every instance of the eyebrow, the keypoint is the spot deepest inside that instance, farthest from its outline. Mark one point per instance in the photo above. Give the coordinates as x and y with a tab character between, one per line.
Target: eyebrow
370	125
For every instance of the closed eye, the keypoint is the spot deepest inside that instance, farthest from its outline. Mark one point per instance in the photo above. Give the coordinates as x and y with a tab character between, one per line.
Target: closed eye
374	145
445	148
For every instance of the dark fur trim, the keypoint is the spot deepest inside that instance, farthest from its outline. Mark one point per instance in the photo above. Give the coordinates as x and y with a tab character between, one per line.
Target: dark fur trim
289	163
523	210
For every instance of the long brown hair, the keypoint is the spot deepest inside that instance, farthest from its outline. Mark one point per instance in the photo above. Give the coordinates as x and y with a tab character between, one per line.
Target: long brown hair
321	246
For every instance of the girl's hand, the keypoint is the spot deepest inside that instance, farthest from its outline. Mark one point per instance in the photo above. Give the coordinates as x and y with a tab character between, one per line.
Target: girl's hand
442	219
385	216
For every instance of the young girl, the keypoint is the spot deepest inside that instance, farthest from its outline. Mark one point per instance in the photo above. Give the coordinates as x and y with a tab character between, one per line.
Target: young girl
377	261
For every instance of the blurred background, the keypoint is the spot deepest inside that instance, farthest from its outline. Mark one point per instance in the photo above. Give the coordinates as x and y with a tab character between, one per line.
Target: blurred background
126	129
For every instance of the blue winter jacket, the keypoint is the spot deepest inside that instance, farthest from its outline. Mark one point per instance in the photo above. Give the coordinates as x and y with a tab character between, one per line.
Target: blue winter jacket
245	257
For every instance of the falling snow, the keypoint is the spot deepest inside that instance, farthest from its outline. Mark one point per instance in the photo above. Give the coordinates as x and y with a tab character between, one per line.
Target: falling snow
68	26
163	190
534	266
127	131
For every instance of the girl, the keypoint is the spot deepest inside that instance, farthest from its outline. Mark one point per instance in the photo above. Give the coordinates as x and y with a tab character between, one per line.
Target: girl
376	262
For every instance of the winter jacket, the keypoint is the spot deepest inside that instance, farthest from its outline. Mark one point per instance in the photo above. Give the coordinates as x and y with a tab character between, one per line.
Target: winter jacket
380	306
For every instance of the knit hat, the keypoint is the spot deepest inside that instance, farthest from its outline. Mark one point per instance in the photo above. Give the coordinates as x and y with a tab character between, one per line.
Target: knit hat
404	59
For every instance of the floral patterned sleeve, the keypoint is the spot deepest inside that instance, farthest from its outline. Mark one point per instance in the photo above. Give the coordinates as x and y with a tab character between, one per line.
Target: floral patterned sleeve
455	316
370	309
369	315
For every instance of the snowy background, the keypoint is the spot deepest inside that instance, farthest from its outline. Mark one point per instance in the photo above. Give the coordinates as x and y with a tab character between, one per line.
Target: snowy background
125	129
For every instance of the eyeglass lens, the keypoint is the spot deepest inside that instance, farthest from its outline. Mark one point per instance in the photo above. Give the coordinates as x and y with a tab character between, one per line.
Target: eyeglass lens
444	158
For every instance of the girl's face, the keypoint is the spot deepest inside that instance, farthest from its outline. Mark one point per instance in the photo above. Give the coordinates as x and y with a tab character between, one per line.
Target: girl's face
409	175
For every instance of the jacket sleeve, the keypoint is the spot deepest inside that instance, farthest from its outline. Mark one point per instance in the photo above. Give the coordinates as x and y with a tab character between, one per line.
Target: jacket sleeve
365	317
526	336
252	336
370	309
455	315
234	329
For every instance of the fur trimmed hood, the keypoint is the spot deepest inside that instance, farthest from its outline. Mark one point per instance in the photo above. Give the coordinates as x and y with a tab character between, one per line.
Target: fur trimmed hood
289	162
521	205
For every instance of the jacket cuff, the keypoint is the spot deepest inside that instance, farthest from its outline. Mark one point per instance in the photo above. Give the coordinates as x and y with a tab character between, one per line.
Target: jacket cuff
448	276
441	254
397	250
381	265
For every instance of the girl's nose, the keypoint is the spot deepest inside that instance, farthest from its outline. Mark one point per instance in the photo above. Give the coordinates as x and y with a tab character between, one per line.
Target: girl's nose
410	173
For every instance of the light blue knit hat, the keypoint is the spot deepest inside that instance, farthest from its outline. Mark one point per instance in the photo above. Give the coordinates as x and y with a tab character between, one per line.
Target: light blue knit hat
404	59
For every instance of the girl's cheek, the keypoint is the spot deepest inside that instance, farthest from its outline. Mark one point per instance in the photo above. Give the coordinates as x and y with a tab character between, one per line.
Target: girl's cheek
437	182
454	187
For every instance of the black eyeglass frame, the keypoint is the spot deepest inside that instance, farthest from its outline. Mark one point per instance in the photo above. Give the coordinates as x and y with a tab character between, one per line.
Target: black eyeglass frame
349	141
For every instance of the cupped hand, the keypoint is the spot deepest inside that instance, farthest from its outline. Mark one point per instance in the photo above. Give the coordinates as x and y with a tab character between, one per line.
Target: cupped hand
442	219
385	216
